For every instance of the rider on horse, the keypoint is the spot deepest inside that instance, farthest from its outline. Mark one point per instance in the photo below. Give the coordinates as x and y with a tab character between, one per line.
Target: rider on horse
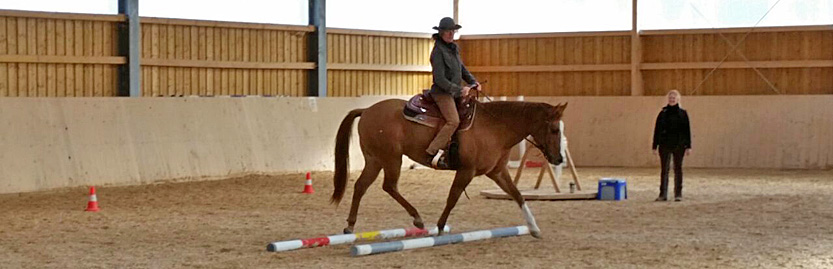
448	72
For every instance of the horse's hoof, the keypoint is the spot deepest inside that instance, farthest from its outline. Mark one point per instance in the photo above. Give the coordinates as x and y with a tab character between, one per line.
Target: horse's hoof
536	234
348	230
418	223
440	233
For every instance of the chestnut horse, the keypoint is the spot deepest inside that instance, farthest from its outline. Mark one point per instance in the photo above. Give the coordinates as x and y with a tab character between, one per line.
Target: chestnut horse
385	135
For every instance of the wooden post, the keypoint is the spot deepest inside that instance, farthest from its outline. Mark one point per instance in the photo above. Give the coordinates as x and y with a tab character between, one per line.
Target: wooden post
573	169
522	166
456	11
540	176
540	194
545	168
636	56
552	178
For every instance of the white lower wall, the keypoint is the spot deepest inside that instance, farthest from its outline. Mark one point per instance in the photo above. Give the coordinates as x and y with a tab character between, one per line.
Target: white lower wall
62	142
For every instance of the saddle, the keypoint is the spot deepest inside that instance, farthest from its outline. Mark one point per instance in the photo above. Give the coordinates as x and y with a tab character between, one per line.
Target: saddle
423	110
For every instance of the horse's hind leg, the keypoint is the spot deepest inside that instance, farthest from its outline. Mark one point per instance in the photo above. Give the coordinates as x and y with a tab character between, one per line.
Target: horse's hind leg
390	185
461	180
369	174
504	181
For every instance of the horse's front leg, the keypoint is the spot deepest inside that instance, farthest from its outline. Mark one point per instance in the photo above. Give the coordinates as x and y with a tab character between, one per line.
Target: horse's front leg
461	181
504	181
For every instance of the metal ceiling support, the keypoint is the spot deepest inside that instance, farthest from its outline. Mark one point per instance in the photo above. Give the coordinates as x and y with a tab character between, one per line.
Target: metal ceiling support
318	49
734	48
129	74
742	56
636	55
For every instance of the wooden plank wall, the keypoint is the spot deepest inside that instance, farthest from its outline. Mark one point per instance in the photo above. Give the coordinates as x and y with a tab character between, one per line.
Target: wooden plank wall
377	62
796	60
185	58
47	54
799	46
63	54
550	64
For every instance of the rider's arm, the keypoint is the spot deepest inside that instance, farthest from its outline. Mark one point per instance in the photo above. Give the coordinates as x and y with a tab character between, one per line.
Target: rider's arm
467	76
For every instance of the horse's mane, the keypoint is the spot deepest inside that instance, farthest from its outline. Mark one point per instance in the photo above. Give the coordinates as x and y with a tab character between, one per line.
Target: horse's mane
516	109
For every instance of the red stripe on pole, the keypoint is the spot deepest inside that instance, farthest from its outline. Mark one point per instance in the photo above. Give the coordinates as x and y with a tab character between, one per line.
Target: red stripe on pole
315	242
415	232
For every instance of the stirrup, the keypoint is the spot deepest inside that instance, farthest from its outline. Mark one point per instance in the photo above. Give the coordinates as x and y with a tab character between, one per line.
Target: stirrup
437	158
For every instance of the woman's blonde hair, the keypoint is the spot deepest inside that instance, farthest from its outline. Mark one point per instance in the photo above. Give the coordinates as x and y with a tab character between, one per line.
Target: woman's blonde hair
679	96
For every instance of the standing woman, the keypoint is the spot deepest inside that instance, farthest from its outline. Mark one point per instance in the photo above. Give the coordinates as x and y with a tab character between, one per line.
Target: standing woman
672	134
448	74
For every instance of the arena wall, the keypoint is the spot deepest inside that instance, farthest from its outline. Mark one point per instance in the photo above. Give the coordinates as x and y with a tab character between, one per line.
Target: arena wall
63	142
781	132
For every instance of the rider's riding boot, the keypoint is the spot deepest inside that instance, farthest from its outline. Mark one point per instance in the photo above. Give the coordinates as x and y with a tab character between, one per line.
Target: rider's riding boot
438	161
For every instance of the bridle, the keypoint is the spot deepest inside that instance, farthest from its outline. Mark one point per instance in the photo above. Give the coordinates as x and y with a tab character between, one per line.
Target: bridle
542	145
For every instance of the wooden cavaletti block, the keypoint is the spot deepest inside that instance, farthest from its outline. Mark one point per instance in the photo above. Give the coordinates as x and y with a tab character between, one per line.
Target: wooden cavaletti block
532	154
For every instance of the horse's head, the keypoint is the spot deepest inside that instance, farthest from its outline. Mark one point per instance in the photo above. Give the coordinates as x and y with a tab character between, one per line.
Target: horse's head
547	134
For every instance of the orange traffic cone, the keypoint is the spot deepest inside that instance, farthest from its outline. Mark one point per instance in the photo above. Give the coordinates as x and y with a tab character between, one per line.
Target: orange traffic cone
92	205
308	185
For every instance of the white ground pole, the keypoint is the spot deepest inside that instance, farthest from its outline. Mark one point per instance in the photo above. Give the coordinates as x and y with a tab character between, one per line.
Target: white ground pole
340	239
368	249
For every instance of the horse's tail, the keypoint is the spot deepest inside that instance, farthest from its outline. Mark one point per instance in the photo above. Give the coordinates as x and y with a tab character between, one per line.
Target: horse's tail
342	152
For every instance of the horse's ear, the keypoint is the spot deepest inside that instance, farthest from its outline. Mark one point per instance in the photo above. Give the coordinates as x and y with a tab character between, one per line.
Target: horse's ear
559	109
